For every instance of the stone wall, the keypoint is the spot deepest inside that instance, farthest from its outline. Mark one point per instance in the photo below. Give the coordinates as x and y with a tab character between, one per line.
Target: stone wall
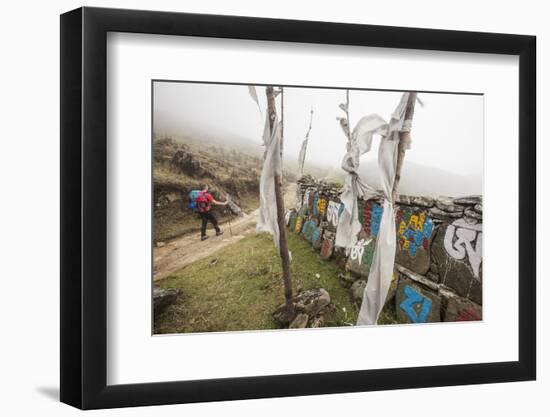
438	270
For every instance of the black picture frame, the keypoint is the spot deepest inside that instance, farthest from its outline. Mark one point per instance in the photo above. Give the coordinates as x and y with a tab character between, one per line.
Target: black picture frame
84	207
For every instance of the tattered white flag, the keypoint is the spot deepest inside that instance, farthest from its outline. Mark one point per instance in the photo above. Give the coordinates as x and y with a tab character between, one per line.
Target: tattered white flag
381	270
302	155
267	217
254	95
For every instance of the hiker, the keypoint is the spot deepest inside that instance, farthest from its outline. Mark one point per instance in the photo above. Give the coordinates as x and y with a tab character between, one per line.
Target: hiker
204	205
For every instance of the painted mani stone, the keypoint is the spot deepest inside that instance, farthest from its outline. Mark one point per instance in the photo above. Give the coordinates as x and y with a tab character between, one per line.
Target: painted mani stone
314	208
461	309
360	210
371	217
287	216
292	221
298	224
305	200
308	229
457	251
317	238
327	248
334	210
322	207
311	197
359	256
415	230
469	314
415	305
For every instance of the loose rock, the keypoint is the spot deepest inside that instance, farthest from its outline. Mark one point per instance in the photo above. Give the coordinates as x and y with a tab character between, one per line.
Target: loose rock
447	205
309	302
473	214
445	215
163	297
346	280
299	322
312	301
317	321
357	290
434	277
468	200
420	201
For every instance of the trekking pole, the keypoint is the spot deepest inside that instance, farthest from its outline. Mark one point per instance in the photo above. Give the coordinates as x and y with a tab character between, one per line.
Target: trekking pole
230	231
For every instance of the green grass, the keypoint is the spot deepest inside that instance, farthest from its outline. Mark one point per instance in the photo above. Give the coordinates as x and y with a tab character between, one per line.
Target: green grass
239	287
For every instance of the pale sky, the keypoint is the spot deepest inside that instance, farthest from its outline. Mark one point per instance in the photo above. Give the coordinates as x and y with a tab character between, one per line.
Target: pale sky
447	132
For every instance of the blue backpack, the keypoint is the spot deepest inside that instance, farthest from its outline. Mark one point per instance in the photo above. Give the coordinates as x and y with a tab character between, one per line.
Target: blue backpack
193	196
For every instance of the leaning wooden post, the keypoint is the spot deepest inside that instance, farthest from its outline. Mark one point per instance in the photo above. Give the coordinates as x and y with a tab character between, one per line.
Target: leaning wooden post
283	244
404	140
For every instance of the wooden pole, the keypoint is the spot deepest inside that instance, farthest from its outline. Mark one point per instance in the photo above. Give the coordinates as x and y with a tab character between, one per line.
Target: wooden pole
283	244
404	139
282	121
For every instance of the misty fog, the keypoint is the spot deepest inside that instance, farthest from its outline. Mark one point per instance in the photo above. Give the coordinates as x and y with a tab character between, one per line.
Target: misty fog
446	156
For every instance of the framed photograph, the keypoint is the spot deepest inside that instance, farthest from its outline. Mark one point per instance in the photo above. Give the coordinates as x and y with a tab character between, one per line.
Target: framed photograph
256	208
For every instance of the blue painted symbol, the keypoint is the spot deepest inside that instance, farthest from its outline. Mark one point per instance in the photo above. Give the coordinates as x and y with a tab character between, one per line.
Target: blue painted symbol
428	227
376	217
412	249
311	230
418	237
307	229
316	234
413	298
314	208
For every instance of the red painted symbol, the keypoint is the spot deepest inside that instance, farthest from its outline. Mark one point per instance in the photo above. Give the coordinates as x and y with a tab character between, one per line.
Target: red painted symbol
468	314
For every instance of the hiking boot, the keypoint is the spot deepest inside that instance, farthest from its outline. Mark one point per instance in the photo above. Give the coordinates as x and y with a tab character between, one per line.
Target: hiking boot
204	237
219	233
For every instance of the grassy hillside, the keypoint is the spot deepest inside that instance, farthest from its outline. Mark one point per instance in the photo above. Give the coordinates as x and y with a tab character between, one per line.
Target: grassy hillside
179	168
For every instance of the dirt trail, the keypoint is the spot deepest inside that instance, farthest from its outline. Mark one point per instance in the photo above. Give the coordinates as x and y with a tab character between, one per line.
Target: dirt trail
185	250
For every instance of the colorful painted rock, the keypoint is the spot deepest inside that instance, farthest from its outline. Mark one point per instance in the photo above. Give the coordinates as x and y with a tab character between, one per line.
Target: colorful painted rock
308	229
359	257
317	239
292	221
414	304
327	248
322	207
314	208
415	232
461	309
457	251
298	226
370	216
334	210
311	197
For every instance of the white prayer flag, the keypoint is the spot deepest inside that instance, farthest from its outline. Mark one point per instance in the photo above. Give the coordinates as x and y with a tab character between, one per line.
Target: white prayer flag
267	217
381	270
303	148
254	95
